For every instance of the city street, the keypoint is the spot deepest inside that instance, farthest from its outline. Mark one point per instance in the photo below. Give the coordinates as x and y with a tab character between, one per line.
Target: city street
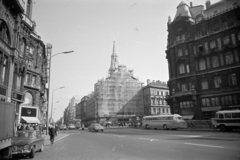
140	144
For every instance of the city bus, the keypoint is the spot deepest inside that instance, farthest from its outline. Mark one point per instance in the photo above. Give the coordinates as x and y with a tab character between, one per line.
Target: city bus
171	121
226	120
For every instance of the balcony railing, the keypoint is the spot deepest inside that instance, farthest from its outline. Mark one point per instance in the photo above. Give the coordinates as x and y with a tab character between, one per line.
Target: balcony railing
27	20
32	85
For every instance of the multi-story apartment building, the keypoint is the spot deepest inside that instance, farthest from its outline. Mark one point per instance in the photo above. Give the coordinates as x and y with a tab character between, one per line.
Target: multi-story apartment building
203	56
154	98
72	107
81	109
117	98
23	58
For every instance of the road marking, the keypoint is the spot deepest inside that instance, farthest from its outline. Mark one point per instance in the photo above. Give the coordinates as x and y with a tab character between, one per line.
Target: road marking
149	139
61	138
190	136
203	145
118	136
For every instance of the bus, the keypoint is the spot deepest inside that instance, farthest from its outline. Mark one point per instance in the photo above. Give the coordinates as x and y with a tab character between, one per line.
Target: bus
226	120
171	121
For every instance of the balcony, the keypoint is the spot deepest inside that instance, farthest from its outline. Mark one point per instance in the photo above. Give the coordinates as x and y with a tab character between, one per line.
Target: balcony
184	93
29	84
27	20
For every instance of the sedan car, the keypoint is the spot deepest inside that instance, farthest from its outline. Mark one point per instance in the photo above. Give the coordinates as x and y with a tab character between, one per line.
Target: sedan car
27	142
63	127
96	127
71	126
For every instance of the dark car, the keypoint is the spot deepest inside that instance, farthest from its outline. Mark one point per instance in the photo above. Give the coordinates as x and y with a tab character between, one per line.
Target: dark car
96	127
27	142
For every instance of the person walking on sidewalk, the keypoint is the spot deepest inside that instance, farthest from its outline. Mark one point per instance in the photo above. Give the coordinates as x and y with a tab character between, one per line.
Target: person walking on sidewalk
52	133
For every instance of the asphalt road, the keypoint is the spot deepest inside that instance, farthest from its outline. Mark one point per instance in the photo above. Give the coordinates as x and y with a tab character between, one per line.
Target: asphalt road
140	144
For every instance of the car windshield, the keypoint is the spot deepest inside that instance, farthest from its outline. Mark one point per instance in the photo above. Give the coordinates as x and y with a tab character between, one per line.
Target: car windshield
26	134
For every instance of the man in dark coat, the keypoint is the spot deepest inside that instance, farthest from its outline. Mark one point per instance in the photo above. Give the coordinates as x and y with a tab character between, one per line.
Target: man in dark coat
52	133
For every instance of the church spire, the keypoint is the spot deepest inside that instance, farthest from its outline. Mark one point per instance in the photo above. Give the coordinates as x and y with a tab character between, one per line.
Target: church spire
114	60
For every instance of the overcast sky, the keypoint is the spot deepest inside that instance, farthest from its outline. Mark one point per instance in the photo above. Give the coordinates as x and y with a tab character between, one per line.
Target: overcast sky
89	27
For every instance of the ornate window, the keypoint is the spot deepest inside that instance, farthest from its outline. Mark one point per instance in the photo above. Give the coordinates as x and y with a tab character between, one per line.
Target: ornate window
226	40
180	53
22	47
181	69
4	33
215	62
187	68
3	68
217	82
229	58
202	64
184	87
232	79
212	44
204	84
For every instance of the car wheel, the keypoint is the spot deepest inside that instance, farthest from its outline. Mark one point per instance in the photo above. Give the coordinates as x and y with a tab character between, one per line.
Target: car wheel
223	128
165	127
32	153
41	150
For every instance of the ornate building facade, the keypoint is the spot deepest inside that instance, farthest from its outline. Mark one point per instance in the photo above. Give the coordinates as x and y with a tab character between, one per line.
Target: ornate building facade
203	57
23	57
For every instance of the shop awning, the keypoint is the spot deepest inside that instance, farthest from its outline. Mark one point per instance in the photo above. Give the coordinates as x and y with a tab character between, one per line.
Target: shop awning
188	117
31	119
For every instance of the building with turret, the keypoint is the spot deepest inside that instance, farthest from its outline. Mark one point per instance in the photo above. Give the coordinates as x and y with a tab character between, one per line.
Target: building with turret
203	57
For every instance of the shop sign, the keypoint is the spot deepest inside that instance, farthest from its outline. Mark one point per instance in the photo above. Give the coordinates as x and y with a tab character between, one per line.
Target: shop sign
211	108
234	106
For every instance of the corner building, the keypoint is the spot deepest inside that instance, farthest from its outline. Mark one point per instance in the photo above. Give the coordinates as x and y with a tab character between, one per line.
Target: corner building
203	58
118	98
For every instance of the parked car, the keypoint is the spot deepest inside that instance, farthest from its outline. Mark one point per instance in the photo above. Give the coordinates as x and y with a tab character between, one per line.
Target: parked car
62	127
27	142
71	126
96	127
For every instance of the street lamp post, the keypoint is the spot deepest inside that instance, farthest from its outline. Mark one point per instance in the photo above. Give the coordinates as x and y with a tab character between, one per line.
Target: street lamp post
50	58
52	99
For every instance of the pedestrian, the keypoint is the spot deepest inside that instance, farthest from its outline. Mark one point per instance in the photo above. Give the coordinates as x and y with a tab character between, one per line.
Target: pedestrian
20	127
192	123
52	133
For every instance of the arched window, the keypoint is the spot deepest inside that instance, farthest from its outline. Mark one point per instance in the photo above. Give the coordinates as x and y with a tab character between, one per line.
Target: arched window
215	62
28	99
4	33
180	53
229	58
202	64
181	69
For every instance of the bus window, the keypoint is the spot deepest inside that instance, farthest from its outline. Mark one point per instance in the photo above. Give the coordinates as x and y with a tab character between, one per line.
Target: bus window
228	115
169	118
235	115
216	115
221	116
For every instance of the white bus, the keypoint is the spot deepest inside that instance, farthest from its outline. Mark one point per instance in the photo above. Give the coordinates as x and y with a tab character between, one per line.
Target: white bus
226	120
171	121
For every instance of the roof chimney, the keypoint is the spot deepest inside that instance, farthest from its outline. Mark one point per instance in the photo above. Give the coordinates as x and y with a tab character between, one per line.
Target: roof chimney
190	4
148	81
208	4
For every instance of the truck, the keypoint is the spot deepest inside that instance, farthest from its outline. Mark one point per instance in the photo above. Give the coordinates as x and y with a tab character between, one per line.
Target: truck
7	128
